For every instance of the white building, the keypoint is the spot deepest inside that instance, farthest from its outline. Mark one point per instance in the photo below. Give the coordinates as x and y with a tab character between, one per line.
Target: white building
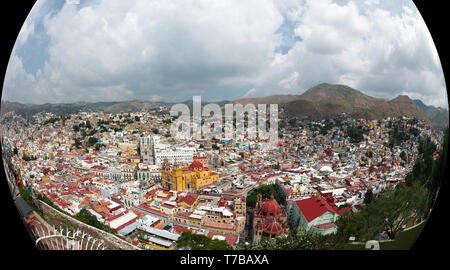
154	152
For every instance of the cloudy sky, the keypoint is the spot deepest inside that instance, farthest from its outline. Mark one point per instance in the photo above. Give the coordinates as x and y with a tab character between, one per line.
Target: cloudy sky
108	50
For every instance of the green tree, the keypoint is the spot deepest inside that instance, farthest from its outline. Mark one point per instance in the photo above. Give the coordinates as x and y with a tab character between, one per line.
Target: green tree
77	143
26	196
189	240
297	239
403	156
387	213
91	141
265	191
355	134
88	218
439	167
368	197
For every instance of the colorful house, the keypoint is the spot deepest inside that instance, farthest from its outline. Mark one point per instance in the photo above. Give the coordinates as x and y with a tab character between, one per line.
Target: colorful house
314	214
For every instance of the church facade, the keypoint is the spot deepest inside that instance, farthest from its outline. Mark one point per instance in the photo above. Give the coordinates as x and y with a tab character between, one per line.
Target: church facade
187	178
269	220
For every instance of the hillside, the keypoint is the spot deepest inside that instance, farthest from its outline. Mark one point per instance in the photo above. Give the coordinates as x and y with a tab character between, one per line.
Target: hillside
438	116
328	100
65	108
319	102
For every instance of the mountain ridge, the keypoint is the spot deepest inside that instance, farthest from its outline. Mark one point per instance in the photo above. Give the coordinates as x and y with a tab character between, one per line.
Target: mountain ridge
328	100
321	101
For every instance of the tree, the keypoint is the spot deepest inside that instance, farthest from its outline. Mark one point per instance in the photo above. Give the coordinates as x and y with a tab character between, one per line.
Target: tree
77	143
15	151
137	119
156	131
297	239
26	196
403	156
265	191
200	242
439	167
91	141
88	218
387	213
368	197
423	167
403	205
98	146
355	134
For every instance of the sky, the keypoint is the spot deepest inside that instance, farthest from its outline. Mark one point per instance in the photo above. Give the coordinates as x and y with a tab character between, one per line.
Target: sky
171	50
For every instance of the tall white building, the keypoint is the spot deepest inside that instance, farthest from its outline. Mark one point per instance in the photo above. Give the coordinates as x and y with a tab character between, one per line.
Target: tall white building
146	149
154	152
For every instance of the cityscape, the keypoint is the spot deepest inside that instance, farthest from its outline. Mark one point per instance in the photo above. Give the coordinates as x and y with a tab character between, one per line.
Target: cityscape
119	151
124	174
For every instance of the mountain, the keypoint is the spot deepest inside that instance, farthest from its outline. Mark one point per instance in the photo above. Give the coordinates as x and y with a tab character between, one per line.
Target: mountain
328	100
190	103
438	116
66	108
319	102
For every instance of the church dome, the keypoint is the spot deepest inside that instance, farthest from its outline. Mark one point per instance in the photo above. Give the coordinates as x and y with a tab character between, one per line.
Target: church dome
196	164
270	208
273	228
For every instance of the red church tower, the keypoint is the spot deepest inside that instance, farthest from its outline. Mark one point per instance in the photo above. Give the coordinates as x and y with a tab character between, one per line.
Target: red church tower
269	220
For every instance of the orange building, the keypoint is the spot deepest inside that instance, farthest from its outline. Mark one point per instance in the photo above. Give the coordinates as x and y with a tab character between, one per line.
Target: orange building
192	177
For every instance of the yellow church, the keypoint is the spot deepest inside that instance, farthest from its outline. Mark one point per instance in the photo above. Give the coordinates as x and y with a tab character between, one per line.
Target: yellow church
192	177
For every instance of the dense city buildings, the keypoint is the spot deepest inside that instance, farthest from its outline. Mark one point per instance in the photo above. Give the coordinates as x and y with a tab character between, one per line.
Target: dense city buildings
127	171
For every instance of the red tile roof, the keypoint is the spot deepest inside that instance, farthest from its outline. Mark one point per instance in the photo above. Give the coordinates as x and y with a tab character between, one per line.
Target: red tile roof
179	229
325	226
314	207
126	224
230	239
189	199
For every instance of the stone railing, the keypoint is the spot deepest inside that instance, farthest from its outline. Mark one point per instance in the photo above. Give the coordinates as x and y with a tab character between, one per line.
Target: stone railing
112	241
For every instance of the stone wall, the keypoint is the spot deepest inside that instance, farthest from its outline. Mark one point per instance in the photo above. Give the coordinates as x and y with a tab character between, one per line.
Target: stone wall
57	218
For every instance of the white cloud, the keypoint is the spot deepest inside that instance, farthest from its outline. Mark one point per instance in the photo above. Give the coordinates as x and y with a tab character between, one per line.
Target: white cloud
115	50
371	2
16	80
375	51
250	92
26	31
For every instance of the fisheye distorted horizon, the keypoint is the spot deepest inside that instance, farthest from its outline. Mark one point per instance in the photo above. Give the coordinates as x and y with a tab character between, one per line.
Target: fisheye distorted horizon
222	50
